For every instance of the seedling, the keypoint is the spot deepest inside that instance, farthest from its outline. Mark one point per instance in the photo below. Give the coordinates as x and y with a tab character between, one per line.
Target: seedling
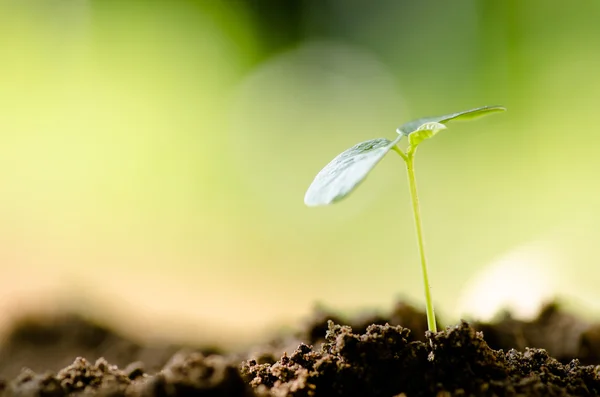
345	172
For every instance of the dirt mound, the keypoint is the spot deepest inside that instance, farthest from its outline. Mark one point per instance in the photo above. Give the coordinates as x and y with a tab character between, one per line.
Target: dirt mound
376	355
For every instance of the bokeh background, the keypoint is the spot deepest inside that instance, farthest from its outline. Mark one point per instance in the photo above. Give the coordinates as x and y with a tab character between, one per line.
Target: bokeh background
154	158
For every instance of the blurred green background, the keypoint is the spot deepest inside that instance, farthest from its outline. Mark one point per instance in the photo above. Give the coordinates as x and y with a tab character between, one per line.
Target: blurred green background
154	158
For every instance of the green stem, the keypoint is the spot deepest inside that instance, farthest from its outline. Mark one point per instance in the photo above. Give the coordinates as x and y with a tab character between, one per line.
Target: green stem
431	323
400	152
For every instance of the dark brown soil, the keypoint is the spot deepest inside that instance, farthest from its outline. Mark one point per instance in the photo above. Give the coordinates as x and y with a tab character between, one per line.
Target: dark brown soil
367	358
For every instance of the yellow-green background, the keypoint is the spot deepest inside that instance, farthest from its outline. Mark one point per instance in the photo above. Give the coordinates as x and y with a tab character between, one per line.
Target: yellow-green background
154	155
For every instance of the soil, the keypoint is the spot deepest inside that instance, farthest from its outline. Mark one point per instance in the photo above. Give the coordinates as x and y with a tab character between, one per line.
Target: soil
388	355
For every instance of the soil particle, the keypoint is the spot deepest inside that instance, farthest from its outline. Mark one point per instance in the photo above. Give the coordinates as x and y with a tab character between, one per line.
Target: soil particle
370	358
383	362
81	378
189	374
401	314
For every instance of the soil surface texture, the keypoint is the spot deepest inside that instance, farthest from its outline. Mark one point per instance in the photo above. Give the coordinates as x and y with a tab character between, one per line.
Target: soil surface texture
389	355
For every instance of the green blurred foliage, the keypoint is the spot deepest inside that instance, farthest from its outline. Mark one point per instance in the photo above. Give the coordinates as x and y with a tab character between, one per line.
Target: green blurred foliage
166	146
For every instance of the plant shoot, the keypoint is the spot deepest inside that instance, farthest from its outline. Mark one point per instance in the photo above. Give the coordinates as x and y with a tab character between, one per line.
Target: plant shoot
345	172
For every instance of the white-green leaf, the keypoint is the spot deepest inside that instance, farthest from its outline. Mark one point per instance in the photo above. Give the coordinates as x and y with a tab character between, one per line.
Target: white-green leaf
425	131
345	172
407	128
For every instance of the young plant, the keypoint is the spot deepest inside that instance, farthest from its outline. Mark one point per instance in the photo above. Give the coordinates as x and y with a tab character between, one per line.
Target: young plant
345	172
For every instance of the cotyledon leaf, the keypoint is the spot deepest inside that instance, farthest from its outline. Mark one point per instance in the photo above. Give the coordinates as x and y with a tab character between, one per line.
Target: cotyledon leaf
425	131
345	172
411	126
